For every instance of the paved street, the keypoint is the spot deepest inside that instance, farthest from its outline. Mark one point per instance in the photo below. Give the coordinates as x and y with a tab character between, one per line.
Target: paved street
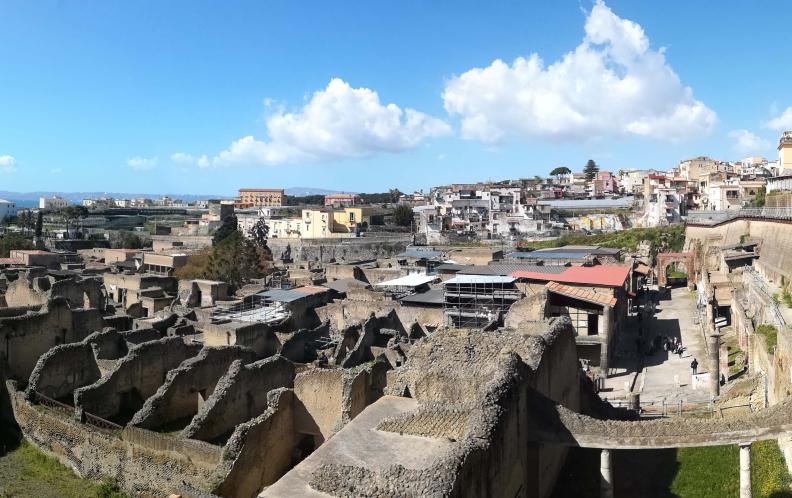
674	317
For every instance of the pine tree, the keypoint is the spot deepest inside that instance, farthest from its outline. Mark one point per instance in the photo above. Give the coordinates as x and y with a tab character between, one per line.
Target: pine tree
591	169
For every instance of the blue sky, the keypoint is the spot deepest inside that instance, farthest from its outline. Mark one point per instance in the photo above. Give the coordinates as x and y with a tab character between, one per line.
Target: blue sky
205	97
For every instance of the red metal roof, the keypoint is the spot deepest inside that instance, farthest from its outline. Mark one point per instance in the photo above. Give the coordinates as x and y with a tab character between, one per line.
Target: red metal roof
603	275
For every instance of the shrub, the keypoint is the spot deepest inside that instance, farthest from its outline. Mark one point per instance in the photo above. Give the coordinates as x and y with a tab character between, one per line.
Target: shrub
770	333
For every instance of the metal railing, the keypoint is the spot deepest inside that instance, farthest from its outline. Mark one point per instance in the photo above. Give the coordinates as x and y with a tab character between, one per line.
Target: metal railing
101	423
52	403
714	217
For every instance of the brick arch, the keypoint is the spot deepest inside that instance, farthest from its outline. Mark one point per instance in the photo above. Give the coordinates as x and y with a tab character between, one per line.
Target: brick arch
664	259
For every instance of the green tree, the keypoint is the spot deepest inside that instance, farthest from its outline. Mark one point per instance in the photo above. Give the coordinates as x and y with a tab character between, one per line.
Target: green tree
394	194
235	260
39	224
403	215
228	228
259	233
12	241
591	169
125	239
72	213
559	171
761	197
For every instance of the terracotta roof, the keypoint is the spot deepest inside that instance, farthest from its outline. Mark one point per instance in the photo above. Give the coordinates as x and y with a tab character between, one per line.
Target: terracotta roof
602	275
642	269
587	295
10	261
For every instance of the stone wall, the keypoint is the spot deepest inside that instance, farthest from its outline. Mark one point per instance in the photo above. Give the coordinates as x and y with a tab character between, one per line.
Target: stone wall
320	394
31	288
301	346
187	387
341	250
261	449
239	395
24	338
140	463
137	376
63	369
257	336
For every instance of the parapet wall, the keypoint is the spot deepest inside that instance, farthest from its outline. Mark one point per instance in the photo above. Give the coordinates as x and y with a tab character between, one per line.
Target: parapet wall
141	462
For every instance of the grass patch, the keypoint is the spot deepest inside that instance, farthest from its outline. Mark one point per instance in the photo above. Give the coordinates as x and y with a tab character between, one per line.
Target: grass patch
670	238
707	472
787	298
770	333
26	472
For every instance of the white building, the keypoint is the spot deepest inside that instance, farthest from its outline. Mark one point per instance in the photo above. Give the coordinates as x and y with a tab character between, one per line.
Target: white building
8	209
53	202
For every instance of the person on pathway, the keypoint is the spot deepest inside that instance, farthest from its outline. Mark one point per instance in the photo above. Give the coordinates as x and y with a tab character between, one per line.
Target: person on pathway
693	365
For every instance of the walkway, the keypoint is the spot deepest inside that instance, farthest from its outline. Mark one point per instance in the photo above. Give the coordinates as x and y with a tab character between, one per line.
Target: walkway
675	316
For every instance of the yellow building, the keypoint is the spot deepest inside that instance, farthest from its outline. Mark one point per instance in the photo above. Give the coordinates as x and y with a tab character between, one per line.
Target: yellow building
313	224
785	152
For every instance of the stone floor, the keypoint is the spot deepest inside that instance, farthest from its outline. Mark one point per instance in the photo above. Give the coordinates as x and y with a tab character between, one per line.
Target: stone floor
655	376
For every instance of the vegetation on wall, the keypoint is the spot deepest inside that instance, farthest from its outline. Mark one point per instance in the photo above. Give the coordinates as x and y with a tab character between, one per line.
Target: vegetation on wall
660	239
770	333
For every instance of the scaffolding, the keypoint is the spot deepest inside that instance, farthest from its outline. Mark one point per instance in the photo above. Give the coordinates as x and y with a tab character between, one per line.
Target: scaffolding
255	308
476	301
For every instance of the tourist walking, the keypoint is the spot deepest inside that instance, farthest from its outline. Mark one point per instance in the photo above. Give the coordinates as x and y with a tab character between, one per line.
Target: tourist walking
694	366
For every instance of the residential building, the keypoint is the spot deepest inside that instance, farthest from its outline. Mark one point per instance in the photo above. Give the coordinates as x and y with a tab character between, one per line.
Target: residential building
8	209
312	224
663	203
785	153
54	202
258	197
341	199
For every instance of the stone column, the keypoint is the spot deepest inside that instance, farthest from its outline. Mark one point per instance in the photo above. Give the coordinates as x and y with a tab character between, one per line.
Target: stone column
605	333
606	475
745	470
724	361
714	363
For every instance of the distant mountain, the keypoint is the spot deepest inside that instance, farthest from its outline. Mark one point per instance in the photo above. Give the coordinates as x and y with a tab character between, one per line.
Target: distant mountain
77	197
303	191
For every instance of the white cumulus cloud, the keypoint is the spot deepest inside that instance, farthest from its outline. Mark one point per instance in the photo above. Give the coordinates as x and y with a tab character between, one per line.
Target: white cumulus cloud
782	122
338	122
746	142
184	158
612	84
7	164
142	163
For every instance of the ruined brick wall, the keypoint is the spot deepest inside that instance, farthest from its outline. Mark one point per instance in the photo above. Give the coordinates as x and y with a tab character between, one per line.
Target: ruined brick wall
260	450
24	338
136	377
341	250
140	465
63	369
188	386
239	395
256	336
319	410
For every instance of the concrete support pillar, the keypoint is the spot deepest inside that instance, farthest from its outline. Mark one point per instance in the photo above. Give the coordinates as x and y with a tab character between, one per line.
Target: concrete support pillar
606	475
724	361
745	470
714	364
605	333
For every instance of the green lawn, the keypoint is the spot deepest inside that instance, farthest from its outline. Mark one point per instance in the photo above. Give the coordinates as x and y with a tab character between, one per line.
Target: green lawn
711	472
26	472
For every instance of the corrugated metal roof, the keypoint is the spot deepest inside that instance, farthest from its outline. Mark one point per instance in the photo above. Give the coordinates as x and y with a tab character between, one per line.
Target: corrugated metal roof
507	269
602	275
413	280
432	296
451	267
342	285
480	279
283	295
549	255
